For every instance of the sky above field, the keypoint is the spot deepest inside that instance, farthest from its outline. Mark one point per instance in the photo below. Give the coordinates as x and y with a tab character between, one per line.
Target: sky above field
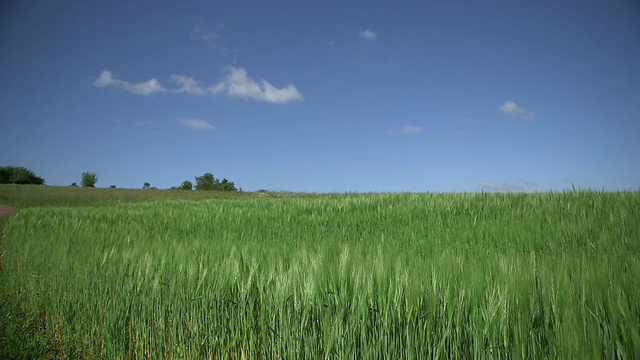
324	96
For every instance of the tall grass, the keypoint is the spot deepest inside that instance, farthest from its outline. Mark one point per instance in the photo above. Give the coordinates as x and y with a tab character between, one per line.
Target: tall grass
393	276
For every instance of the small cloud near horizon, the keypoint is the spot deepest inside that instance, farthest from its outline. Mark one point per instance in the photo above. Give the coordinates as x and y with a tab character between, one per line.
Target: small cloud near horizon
409	129
505	186
512	109
528	182
196	124
500	187
367	35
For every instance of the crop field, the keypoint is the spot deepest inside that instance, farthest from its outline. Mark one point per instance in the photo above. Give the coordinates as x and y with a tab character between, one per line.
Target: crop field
308	276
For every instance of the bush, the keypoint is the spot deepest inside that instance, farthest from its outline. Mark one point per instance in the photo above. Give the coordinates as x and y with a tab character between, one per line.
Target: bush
19	175
227	185
209	183
89	179
186	185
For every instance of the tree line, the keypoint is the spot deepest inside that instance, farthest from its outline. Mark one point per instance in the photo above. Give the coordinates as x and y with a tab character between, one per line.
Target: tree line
19	175
206	182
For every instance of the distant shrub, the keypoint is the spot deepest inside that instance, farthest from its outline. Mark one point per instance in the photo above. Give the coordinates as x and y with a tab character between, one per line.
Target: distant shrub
89	179
73	184
19	175
227	185
112	187
186	185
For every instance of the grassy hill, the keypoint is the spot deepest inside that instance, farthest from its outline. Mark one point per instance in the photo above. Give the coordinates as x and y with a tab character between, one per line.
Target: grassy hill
110	273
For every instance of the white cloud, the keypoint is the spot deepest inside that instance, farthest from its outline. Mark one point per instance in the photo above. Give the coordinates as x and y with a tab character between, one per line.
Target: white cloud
236	83
367	35
408	129
148	87
501	187
196	124
512	109
145	88
188	85
105	78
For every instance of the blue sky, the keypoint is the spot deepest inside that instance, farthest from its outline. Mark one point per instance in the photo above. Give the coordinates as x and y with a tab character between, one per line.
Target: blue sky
324	96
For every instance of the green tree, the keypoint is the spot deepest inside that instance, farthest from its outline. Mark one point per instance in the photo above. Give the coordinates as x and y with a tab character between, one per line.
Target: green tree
209	183
227	185
19	175
206	182
186	185
5	175
146	186
89	179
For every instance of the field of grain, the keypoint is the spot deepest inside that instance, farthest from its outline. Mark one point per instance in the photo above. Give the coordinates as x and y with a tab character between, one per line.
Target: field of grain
397	276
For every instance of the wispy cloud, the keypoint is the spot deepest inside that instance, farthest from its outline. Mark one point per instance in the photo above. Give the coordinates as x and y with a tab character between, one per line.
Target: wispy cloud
213	35
196	124
409	129
500	187
206	34
236	83
190	86
512	109
148	87
144	122
367	35
528	182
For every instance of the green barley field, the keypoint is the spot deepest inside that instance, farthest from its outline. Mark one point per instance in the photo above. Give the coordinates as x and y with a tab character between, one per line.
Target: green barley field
142	274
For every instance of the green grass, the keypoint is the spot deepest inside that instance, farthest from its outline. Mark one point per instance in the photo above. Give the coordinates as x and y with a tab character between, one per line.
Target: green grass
38	195
548	275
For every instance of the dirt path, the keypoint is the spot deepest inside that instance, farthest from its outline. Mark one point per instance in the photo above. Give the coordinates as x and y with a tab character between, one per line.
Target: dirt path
6	210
